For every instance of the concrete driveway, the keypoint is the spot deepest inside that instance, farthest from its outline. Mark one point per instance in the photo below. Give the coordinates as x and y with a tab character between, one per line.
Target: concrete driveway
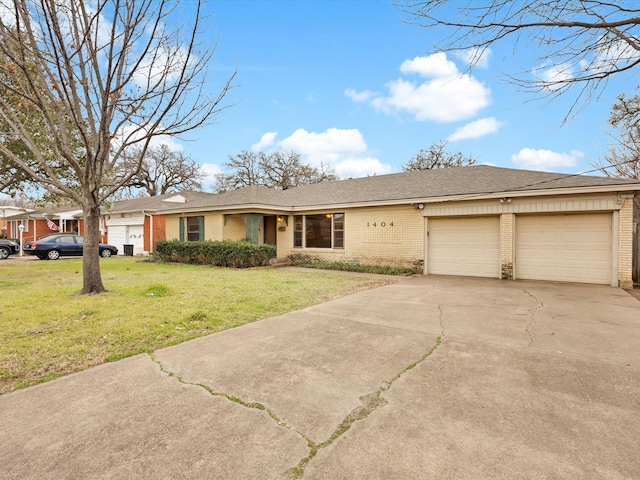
430	377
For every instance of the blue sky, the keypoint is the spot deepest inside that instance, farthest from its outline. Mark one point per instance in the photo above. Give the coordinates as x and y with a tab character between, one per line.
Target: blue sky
349	83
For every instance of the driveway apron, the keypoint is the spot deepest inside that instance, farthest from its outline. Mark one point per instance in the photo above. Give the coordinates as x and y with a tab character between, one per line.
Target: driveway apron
429	377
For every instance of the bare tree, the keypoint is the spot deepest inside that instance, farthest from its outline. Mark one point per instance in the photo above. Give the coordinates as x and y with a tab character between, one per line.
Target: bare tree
437	157
623	158
580	42
161	171
284	170
104	76
243	170
279	170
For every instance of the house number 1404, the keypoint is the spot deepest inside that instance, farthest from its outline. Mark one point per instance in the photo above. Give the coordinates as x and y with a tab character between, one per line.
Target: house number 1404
379	224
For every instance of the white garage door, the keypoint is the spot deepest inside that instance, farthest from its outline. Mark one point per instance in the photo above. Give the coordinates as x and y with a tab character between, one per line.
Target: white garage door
118	237
468	246
566	248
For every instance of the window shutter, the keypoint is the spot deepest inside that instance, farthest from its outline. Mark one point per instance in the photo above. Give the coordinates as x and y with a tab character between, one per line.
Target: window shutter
201	228
181	226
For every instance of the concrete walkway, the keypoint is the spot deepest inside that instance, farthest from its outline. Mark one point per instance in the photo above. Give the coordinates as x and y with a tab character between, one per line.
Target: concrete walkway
431	377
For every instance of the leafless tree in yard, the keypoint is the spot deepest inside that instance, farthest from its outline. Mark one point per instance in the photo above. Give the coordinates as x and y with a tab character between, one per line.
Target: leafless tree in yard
576	42
437	156
285	170
102	77
162	170
278	170
623	158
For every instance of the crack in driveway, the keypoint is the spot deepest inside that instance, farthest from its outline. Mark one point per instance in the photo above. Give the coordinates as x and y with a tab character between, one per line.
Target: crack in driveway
369	403
238	400
532	313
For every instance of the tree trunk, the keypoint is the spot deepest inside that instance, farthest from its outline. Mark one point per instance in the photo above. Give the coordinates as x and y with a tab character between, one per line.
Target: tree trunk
91	278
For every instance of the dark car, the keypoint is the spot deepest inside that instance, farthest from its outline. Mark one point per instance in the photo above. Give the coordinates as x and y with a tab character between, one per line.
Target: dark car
8	247
63	245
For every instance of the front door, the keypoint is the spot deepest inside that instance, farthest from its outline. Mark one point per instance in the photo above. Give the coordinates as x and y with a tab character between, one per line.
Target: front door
270	228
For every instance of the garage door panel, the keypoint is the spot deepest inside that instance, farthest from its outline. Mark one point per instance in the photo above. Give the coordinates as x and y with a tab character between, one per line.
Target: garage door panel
569	248
467	246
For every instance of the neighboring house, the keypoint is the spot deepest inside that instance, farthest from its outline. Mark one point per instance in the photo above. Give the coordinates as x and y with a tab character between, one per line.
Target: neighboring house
474	221
6	212
42	222
135	224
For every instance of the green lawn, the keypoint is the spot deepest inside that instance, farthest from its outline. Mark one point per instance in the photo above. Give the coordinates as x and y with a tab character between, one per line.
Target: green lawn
46	330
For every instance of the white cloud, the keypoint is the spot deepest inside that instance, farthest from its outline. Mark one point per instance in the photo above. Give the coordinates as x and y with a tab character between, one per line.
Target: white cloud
476	57
433	66
327	145
363	96
162	64
170	142
344	150
134	135
361	167
556	76
7	15
613	53
542	159
476	129
266	140
445	96
210	170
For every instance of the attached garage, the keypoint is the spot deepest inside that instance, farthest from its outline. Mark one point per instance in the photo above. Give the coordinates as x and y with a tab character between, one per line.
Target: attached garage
468	246
565	248
127	230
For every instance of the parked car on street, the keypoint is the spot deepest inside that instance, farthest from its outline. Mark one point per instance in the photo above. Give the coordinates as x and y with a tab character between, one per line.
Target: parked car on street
63	245
8	247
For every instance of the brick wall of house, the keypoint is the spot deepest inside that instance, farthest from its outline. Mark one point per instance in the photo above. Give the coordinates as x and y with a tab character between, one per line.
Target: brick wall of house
235	229
391	236
506	246
213	226
625	244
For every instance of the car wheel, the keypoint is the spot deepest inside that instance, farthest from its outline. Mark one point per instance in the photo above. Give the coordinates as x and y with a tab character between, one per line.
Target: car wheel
105	253
53	254
4	253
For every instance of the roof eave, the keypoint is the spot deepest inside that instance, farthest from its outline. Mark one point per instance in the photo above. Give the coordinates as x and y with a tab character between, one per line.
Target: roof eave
634	187
240	208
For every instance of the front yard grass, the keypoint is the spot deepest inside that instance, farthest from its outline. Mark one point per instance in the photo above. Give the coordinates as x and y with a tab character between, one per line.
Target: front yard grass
46	330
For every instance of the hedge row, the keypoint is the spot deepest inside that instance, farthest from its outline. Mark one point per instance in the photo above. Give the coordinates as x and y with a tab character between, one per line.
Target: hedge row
222	254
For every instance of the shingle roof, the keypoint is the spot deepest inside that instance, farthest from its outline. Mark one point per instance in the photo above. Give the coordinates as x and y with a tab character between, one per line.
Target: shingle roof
248	196
158	202
53	212
446	182
456	182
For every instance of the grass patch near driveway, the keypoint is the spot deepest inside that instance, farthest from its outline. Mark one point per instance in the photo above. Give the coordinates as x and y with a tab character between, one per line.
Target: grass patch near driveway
46	330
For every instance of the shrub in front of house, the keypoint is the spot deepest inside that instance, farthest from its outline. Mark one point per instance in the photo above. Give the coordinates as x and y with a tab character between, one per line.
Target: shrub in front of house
310	261
218	253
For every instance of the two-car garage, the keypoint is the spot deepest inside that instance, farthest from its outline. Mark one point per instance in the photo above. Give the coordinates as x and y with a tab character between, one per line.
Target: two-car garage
555	247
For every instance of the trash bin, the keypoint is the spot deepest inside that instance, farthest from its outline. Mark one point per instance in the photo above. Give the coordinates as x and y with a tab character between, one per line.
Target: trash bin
128	250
